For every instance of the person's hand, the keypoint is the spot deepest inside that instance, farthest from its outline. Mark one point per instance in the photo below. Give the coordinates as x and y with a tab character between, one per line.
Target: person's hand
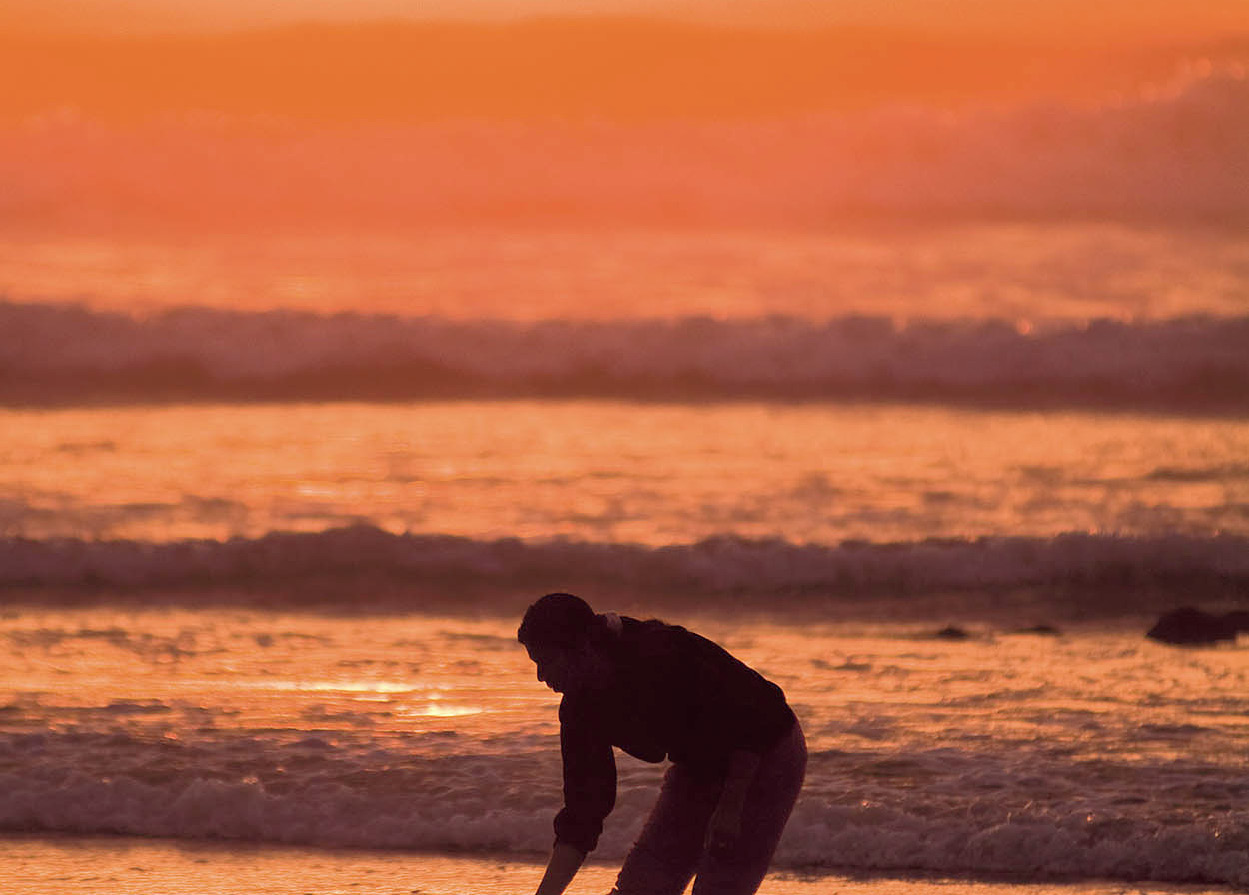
724	830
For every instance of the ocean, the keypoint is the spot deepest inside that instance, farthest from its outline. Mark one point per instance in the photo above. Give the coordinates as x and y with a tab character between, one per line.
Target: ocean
287	623
272	500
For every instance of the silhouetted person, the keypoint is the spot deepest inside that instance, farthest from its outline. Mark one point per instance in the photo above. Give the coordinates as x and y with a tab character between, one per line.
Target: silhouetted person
657	690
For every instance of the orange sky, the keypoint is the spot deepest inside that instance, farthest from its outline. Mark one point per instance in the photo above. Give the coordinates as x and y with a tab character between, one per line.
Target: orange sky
344	60
570	67
141	107
1072	21
403	59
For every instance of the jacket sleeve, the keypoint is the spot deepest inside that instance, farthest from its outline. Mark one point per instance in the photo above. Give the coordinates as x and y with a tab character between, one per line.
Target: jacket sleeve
589	779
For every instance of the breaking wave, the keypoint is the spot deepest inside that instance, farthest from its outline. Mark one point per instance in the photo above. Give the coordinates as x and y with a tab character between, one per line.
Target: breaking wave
68	354
968	812
1112	574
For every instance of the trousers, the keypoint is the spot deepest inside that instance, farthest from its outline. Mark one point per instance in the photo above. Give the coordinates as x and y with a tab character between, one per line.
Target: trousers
670	850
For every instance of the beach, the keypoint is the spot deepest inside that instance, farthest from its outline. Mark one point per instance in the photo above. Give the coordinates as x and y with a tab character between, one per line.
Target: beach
147	867
904	359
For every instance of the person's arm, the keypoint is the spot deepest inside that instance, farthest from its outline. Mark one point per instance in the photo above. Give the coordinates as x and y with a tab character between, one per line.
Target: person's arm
589	795
560	869
726	821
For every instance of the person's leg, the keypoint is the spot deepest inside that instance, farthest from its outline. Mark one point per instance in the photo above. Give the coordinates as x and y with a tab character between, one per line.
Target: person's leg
667	852
768	805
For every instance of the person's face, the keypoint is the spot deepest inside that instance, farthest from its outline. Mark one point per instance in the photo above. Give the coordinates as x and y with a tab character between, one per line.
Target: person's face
561	669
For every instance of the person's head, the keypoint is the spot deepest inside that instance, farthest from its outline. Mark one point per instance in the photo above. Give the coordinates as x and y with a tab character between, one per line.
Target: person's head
567	641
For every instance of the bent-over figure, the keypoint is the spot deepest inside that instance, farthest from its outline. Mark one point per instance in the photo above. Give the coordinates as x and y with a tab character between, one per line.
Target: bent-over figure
659	691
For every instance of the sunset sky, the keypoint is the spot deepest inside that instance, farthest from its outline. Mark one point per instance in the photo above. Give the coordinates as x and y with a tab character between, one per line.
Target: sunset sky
384	110
385	59
1075	20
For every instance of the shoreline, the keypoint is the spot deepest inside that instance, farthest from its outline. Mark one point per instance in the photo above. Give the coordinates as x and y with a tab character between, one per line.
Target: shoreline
62	863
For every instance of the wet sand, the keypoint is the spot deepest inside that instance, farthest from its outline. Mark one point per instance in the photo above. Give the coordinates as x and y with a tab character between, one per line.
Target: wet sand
40	865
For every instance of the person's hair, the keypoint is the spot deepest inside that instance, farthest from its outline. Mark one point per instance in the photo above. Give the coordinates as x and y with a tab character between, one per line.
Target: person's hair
560	620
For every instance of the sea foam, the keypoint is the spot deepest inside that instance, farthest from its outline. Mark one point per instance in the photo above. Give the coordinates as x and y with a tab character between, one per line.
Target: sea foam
312	791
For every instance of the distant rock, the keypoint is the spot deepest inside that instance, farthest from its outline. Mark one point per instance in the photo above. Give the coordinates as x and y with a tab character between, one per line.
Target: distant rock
1040	630
952	632
1191	627
1240	619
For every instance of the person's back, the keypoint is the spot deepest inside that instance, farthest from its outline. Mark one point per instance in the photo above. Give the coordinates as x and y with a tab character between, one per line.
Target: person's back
679	695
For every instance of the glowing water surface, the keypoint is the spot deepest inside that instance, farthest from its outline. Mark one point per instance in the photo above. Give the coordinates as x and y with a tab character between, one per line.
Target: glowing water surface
616	472
432	733
1008	271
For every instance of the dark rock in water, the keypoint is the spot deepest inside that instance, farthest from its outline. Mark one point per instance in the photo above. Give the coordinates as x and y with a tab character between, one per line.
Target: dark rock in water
1239	620
952	632
1191	626
1045	630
